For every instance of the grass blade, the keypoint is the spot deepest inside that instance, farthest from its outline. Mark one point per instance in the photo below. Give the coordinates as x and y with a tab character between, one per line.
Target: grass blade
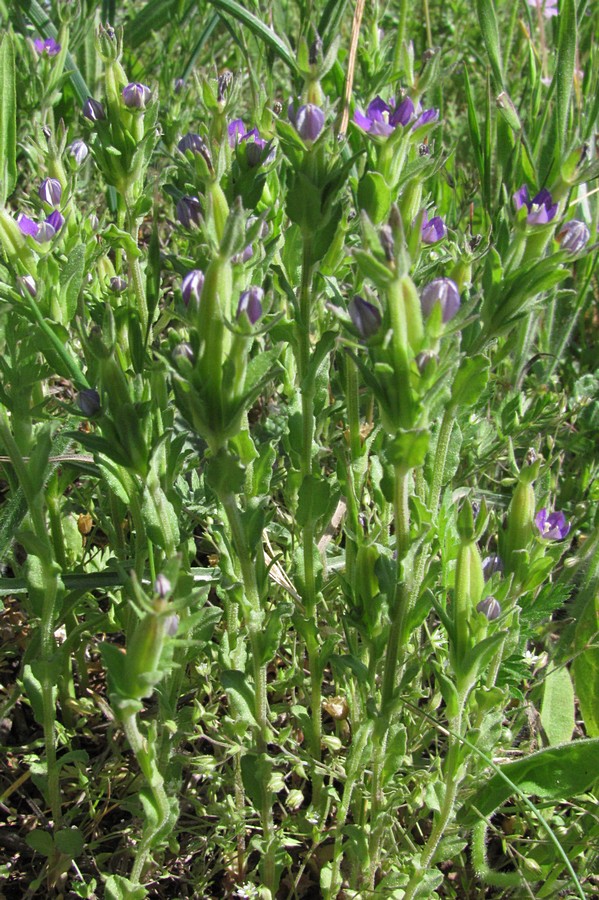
258	28
8	120
487	18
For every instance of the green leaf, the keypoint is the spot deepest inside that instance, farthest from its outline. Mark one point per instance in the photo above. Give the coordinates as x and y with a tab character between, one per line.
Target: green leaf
240	695
557	773
117	887
8	120
259	28
470	381
408	448
70	842
374	196
71	280
40	841
487	19
557	709
33	674
585	667
564	69
313	500
255	774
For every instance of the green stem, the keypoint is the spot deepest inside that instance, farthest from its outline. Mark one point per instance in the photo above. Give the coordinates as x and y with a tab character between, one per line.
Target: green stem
401	34
441	458
155	782
400	601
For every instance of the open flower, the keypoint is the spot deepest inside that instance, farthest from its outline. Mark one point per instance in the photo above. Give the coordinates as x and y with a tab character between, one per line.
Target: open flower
47	47
255	145
44	232
383	118
541	209
552	526
547	7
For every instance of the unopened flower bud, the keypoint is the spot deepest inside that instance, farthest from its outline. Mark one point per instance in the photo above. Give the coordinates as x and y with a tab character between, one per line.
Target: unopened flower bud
491	565
184	350
197	145
250	303
490	608
225	80
365	317
93	110
387	242
118	285
573	236
162	586
443	291
308	121
315	52
171	625
88	401
136	95
27	283
50	191
191	286
189	211
78	150
178	85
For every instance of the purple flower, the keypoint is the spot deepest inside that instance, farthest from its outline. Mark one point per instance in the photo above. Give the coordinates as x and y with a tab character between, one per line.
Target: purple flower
552	526
573	236
490	608
178	85
78	150
425	118
55	220
93	110
47	47
250	303
245	255
432	230
443	291
547	7
308	121
136	95
541	209
27	225
189	211
382	118
255	145
191	286
365	317
162	586
236	130
27	283
50	191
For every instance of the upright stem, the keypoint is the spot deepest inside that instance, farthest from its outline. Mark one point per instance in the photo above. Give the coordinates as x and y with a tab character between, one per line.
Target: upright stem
402	537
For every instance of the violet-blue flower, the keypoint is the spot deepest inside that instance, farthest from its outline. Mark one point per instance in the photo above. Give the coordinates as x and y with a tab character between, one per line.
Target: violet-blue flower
552	526
432	230
55	220
27	225
88	401
136	95
425	118
191	286
541	209
365	317
47	47
93	110
382	118
50	191
443	291
308	121
118	285
573	236
491	565
250	303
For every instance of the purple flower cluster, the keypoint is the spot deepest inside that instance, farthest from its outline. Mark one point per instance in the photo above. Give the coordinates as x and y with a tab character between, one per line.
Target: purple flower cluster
47	47
382	118
552	526
541	209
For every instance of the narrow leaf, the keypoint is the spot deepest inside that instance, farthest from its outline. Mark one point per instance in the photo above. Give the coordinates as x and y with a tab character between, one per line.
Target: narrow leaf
557	709
258	28
8	120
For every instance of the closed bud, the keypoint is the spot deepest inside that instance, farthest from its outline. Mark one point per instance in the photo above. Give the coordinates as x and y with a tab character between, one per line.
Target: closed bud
365	317
387	243
491	566
184	350
88	401
27	283
78	150
50	191
189	211
191	287
573	236
225	80
195	144
490	608
308	121
250	303
162	586
93	110
118	285
136	95
443	291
